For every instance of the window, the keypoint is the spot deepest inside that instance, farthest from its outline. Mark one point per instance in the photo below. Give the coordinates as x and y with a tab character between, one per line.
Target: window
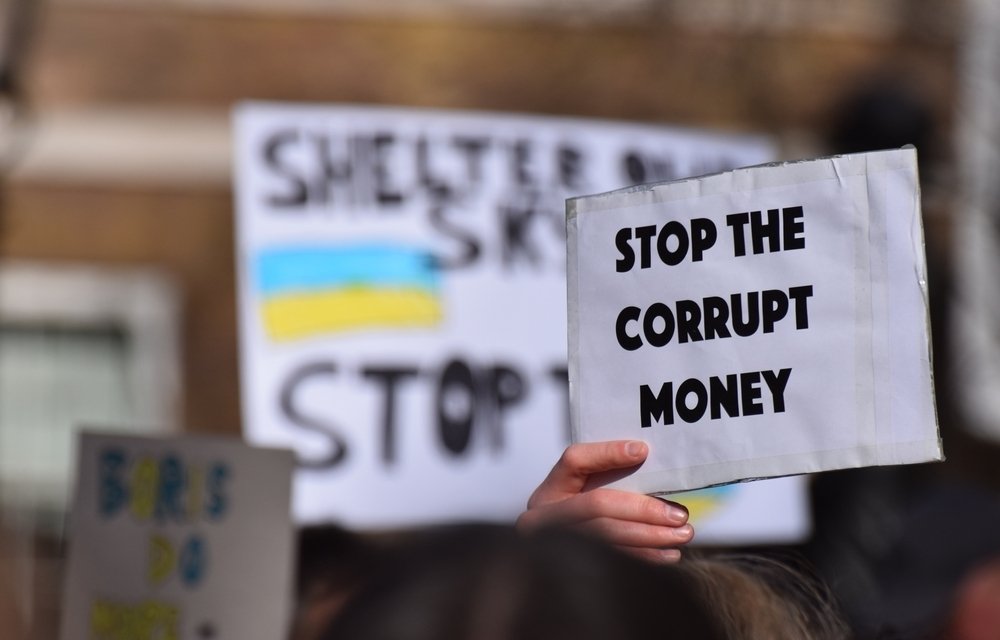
79	347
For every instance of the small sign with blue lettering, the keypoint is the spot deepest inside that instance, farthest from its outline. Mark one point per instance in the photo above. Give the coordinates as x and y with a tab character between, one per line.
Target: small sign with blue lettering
173	535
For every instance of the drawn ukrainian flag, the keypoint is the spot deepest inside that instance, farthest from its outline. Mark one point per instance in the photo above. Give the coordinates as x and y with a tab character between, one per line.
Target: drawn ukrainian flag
703	502
308	291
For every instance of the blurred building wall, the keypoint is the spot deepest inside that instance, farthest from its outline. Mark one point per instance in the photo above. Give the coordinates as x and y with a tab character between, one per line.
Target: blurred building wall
146	75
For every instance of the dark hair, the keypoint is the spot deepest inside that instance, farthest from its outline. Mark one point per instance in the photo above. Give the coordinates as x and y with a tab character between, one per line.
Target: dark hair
488	582
883	111
331	557
332	562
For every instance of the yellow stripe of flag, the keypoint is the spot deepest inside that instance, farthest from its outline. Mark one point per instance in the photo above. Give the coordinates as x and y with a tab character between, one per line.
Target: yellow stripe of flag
299	315
698	506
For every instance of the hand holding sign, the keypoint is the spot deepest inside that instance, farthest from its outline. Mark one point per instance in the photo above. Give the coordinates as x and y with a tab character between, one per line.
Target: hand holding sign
571	495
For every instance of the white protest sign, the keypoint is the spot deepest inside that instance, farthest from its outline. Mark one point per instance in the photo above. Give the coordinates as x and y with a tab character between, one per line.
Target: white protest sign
179	538
402	295
761	322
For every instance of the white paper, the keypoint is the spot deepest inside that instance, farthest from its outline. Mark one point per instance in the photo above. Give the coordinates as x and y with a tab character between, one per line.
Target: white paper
179	538
840	379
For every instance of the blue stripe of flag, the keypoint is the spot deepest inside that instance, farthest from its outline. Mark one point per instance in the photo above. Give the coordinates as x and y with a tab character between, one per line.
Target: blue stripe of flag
288	270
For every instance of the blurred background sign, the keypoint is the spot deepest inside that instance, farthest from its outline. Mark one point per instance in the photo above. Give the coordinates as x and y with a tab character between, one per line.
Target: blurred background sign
171	536
771	512
403	300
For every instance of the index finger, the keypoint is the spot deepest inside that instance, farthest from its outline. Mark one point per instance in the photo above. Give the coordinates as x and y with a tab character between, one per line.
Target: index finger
582	460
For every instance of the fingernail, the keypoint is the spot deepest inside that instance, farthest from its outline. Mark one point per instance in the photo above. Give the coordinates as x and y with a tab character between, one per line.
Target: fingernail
671	555
634	449
684	532
677	514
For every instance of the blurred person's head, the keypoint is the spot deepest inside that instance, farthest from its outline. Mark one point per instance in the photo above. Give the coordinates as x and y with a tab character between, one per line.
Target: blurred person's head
488	582
756	597
975	612
883	111
332	563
